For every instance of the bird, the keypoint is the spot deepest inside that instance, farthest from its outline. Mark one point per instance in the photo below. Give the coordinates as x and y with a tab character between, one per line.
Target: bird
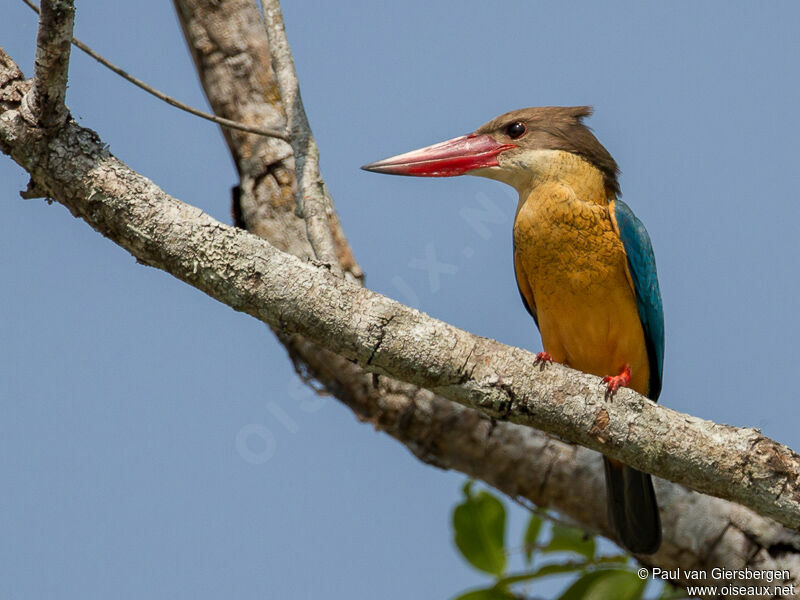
584	266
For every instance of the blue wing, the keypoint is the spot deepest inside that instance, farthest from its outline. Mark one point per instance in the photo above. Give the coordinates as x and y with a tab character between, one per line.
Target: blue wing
642	265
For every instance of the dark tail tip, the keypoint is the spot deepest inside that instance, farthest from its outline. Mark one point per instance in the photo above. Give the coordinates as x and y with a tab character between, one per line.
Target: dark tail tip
632	508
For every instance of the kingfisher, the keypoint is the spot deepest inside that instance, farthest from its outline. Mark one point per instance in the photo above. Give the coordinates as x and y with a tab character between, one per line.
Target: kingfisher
584	266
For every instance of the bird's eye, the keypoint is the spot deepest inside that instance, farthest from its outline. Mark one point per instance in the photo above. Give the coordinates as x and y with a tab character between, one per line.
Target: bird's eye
516	129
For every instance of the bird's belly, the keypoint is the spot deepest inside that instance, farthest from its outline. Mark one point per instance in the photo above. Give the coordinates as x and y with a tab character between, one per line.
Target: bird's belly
574	266
593	328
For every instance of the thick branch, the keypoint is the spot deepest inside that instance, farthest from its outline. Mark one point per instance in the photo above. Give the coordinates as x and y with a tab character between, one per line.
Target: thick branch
314	203
251	276
700	532
53	44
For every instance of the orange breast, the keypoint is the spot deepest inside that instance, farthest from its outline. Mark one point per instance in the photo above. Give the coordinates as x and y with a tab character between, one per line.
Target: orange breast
571	266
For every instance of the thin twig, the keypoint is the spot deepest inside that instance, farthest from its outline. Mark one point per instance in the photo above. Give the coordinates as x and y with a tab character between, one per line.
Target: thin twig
46	98
265	131
313	202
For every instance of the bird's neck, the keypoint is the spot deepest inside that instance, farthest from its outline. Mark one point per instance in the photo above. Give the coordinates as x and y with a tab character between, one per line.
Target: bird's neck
570	170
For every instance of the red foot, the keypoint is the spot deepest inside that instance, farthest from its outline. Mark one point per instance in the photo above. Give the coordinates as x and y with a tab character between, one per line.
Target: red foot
542	359
614	382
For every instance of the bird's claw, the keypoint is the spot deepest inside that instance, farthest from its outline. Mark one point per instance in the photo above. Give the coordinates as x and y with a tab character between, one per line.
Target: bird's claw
543	359
614	382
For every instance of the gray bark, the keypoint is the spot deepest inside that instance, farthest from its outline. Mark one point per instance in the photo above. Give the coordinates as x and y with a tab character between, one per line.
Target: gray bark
53	44
313	201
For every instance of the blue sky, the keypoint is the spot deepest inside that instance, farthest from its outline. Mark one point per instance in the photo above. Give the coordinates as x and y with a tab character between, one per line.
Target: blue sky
124	391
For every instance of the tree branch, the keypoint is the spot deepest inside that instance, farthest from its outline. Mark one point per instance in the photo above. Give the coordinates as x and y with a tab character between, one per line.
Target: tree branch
251	276
46	99
314	203
700	532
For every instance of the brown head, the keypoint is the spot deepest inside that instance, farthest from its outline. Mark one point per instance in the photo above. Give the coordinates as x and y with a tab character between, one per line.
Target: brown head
510	148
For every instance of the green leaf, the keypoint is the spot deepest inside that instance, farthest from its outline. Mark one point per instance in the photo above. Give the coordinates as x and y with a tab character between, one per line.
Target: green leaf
579	588
531	534
606	584
617	585
568	539
479	524
492	593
